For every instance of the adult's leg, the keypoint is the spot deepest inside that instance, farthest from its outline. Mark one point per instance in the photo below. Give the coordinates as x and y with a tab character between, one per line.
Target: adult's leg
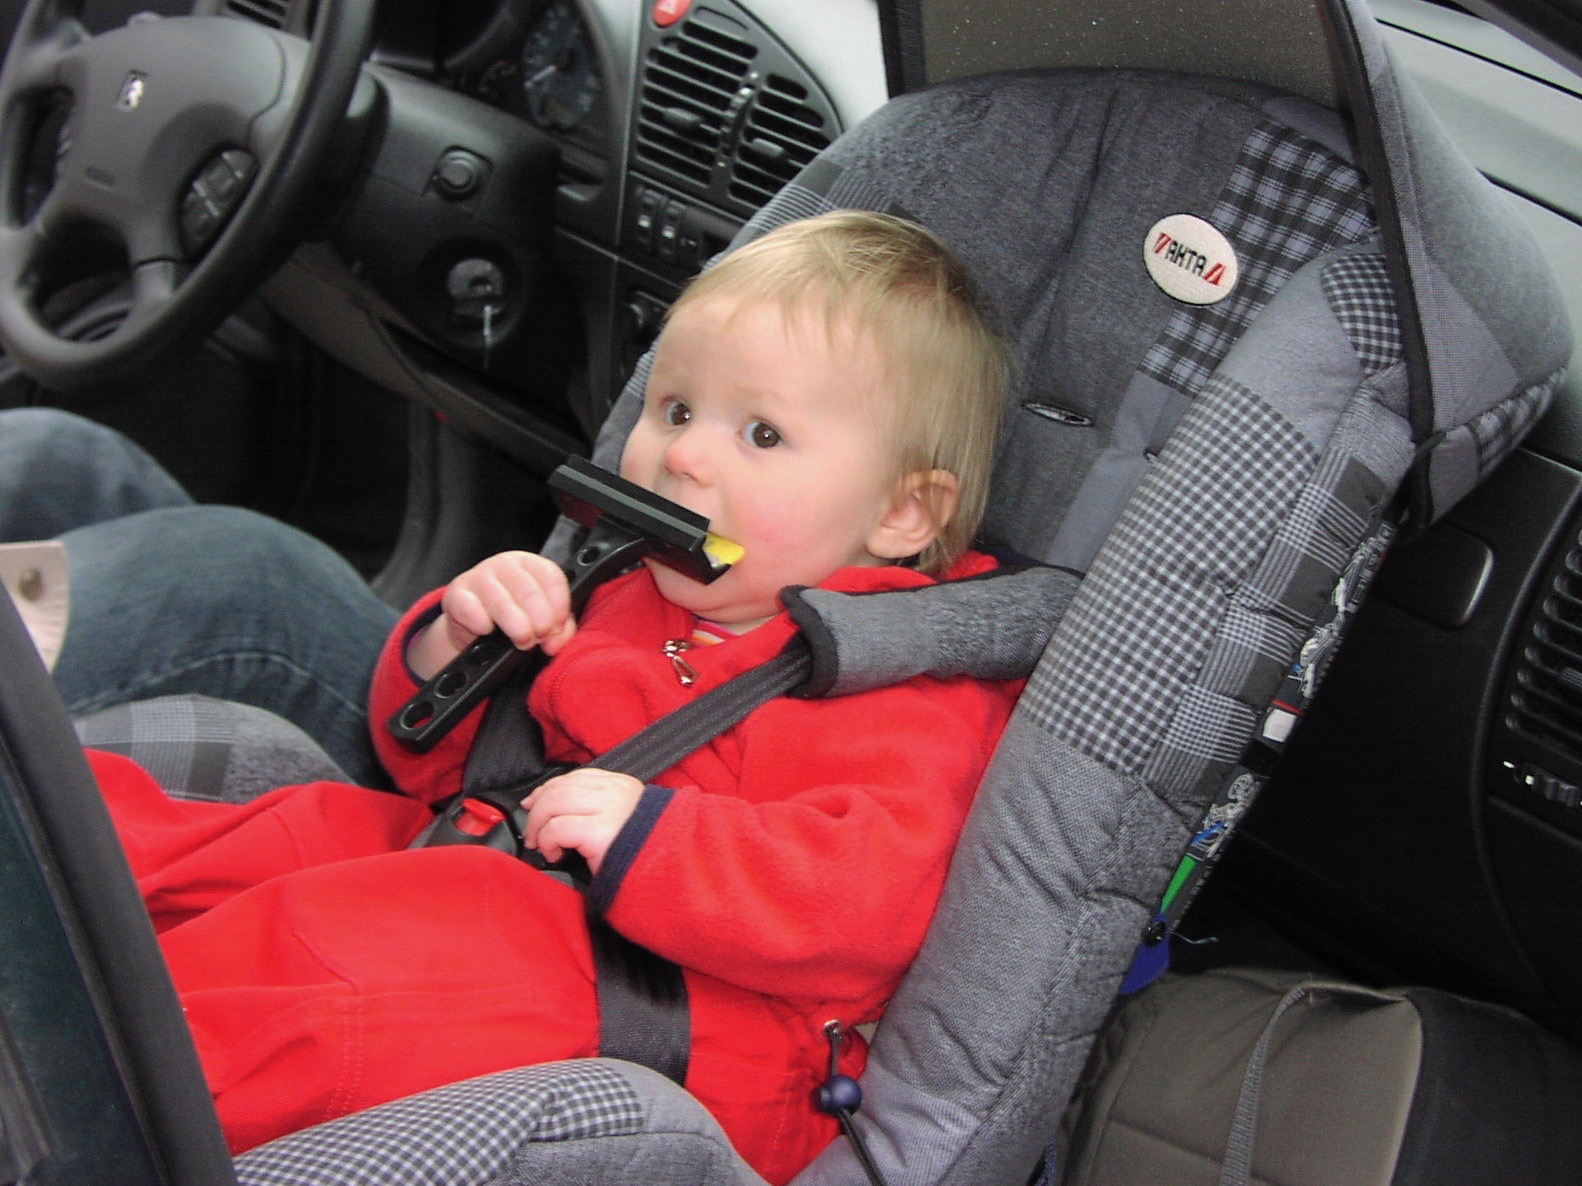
227	603
59	471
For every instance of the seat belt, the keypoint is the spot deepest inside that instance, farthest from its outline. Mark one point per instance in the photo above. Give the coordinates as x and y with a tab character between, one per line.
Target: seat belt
642	997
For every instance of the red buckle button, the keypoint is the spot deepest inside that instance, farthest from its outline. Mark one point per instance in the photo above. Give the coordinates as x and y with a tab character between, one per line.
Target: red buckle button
478	818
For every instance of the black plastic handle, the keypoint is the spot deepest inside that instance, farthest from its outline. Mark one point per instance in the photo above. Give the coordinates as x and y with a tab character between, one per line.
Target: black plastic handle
626	524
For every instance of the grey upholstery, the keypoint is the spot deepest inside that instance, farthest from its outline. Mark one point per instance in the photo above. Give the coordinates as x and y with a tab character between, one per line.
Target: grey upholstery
1309	1082
1215	470
516	1126
197	747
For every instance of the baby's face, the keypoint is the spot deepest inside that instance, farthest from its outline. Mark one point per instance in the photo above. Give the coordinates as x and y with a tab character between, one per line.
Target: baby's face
780	436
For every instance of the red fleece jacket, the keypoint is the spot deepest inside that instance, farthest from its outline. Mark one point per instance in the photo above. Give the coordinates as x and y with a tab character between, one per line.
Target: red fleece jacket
790	867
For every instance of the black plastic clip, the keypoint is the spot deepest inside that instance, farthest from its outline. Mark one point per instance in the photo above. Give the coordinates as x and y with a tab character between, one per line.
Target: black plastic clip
625	524
494	819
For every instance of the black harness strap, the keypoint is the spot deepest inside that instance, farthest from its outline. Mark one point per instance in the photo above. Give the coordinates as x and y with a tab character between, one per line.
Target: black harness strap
509	745
649	752
643	1013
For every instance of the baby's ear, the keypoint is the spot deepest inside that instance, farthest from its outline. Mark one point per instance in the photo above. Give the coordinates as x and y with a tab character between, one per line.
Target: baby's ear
923	503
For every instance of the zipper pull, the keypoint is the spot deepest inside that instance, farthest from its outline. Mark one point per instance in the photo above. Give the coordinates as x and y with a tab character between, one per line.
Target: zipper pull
685	672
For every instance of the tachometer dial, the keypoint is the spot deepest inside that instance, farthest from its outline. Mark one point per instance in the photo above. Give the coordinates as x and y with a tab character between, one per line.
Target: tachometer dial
560	78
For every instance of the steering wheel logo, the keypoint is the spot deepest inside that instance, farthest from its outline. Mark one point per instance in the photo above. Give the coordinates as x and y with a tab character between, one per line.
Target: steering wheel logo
131	92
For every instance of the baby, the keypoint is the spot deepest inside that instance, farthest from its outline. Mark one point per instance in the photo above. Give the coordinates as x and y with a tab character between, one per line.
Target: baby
827	397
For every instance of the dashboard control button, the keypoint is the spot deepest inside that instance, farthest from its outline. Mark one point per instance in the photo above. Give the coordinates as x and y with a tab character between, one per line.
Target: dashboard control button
667	242
649	207
668	12
459	173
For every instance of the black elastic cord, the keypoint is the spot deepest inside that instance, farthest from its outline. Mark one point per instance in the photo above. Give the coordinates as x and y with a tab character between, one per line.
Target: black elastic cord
870	1167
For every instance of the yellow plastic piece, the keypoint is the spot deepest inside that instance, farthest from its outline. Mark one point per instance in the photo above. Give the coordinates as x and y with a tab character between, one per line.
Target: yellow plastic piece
723	552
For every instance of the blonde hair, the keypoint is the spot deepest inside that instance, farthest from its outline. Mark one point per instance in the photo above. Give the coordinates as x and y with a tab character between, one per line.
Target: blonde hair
895	283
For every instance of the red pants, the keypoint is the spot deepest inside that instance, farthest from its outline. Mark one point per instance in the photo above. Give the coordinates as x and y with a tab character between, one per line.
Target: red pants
324	968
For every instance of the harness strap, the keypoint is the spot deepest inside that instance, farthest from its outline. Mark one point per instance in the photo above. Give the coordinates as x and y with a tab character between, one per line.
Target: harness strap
649	752
643	1014
509	745
643	1011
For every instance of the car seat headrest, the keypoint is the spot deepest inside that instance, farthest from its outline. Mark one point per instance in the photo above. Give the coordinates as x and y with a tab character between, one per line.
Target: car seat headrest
1086	166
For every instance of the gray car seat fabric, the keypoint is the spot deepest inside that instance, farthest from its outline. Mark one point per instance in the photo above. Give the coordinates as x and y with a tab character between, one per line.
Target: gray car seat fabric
1222	473
197	747
518	1126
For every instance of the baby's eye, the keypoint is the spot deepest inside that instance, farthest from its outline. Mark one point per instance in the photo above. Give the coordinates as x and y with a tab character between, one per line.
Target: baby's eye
675	413
762	435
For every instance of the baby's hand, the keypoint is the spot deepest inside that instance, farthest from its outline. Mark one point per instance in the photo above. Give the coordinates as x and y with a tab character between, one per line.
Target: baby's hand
583	810
520	593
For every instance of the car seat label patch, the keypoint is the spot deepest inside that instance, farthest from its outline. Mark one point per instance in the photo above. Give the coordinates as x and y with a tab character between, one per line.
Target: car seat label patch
1191	260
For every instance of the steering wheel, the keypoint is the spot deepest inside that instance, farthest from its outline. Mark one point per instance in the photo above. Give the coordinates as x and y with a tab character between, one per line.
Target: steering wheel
192	146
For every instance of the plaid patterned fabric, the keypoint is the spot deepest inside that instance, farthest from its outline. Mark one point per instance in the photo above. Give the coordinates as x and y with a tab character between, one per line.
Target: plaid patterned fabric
1148	607
1358	290
465	1133
1288	201
1259	646
196	747
1496	431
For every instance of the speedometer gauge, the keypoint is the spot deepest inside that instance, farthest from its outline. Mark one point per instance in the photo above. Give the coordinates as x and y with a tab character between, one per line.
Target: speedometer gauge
560	79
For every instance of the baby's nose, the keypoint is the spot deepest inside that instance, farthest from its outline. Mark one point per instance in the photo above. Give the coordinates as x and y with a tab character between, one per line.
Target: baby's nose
687	454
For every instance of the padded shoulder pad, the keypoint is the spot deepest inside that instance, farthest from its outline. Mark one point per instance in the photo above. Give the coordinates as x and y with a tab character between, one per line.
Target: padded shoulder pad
989	627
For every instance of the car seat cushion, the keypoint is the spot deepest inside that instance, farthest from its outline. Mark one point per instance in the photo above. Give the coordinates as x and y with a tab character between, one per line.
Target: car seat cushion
990	627
589	1120
1137	715
198	747
1193	613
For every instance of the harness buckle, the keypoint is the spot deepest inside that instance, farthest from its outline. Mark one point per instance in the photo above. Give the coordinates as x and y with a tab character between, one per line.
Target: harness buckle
494	819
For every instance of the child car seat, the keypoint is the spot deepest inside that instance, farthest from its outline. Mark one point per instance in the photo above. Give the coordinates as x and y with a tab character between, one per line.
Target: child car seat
1219	469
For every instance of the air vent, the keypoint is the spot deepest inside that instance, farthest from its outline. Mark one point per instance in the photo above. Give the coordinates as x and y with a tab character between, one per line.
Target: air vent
783	133
1546	693
692	80
724	112
261	12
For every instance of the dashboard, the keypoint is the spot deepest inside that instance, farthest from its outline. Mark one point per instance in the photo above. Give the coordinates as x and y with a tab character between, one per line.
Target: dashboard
536	60
552	172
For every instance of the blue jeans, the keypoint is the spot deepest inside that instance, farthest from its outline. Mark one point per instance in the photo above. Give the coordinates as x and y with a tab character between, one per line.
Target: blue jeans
172	597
